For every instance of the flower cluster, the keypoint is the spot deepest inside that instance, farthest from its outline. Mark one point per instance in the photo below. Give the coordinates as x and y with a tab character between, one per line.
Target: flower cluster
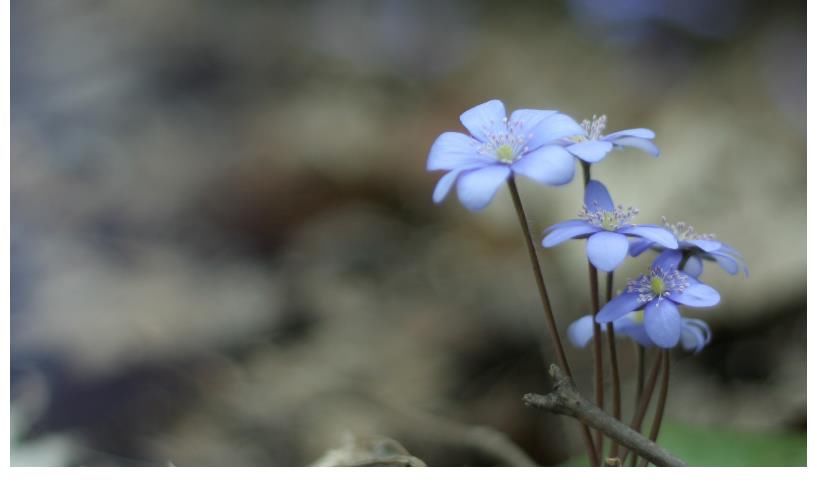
544	146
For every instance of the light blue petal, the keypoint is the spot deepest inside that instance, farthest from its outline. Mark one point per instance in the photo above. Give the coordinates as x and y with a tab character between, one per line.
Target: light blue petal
596	197
445	183
697	295
477	188
576	228
638	246
706	245
485	119
526	120
590	150
551	165
580	332
663	323
727	263
553	128
444	186
618	307
694	266
606	250
668	259
638	333
659	235
639	143
452	150
640	133
695	334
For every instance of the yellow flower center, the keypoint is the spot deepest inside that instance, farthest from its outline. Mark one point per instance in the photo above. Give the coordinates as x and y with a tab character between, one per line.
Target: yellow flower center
657	285
505	153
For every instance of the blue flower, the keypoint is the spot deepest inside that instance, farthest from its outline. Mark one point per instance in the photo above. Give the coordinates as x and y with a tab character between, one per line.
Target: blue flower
659	293
695	333
592	146
699	247
527	143
606	228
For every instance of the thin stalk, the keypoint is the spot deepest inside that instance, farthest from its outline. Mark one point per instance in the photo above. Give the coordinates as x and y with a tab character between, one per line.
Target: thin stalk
549	317
662	401
598	358
641	365
644	403
612	352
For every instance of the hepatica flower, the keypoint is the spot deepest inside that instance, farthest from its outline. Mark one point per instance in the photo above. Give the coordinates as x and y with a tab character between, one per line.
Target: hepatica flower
592	145
527	143
699	247
695	333
606	228
658	293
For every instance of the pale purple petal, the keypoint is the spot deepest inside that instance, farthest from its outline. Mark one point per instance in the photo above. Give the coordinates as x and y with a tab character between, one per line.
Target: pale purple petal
553	128
485	119
695	335
697	295
668	259
706	245
606	250
551	165
580	332
444	186
639	246
477	188
640	133
639	143
659	235
638	333
618	307
596	197
727	263
445	183
590	150
576	228
663	323
528	119
694	266
452	150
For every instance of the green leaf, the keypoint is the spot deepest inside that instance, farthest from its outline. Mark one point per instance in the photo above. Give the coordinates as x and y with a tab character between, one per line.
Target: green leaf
723	447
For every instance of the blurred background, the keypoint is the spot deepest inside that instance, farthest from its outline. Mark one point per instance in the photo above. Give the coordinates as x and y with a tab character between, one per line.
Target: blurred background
224	250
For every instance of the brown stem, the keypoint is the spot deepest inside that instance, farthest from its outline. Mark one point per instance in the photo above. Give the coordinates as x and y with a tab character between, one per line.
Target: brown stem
612	351
543	295
639	386
598	367
644	403
598	359
566	400
662	400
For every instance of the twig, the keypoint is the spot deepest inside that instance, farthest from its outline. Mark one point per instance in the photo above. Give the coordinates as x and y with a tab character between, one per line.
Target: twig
567	401
486	441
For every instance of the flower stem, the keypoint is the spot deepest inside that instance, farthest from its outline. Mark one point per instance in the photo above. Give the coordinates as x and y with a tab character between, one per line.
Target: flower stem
644	403
639	386
598	367
662	401
549	317
598	359
611	347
